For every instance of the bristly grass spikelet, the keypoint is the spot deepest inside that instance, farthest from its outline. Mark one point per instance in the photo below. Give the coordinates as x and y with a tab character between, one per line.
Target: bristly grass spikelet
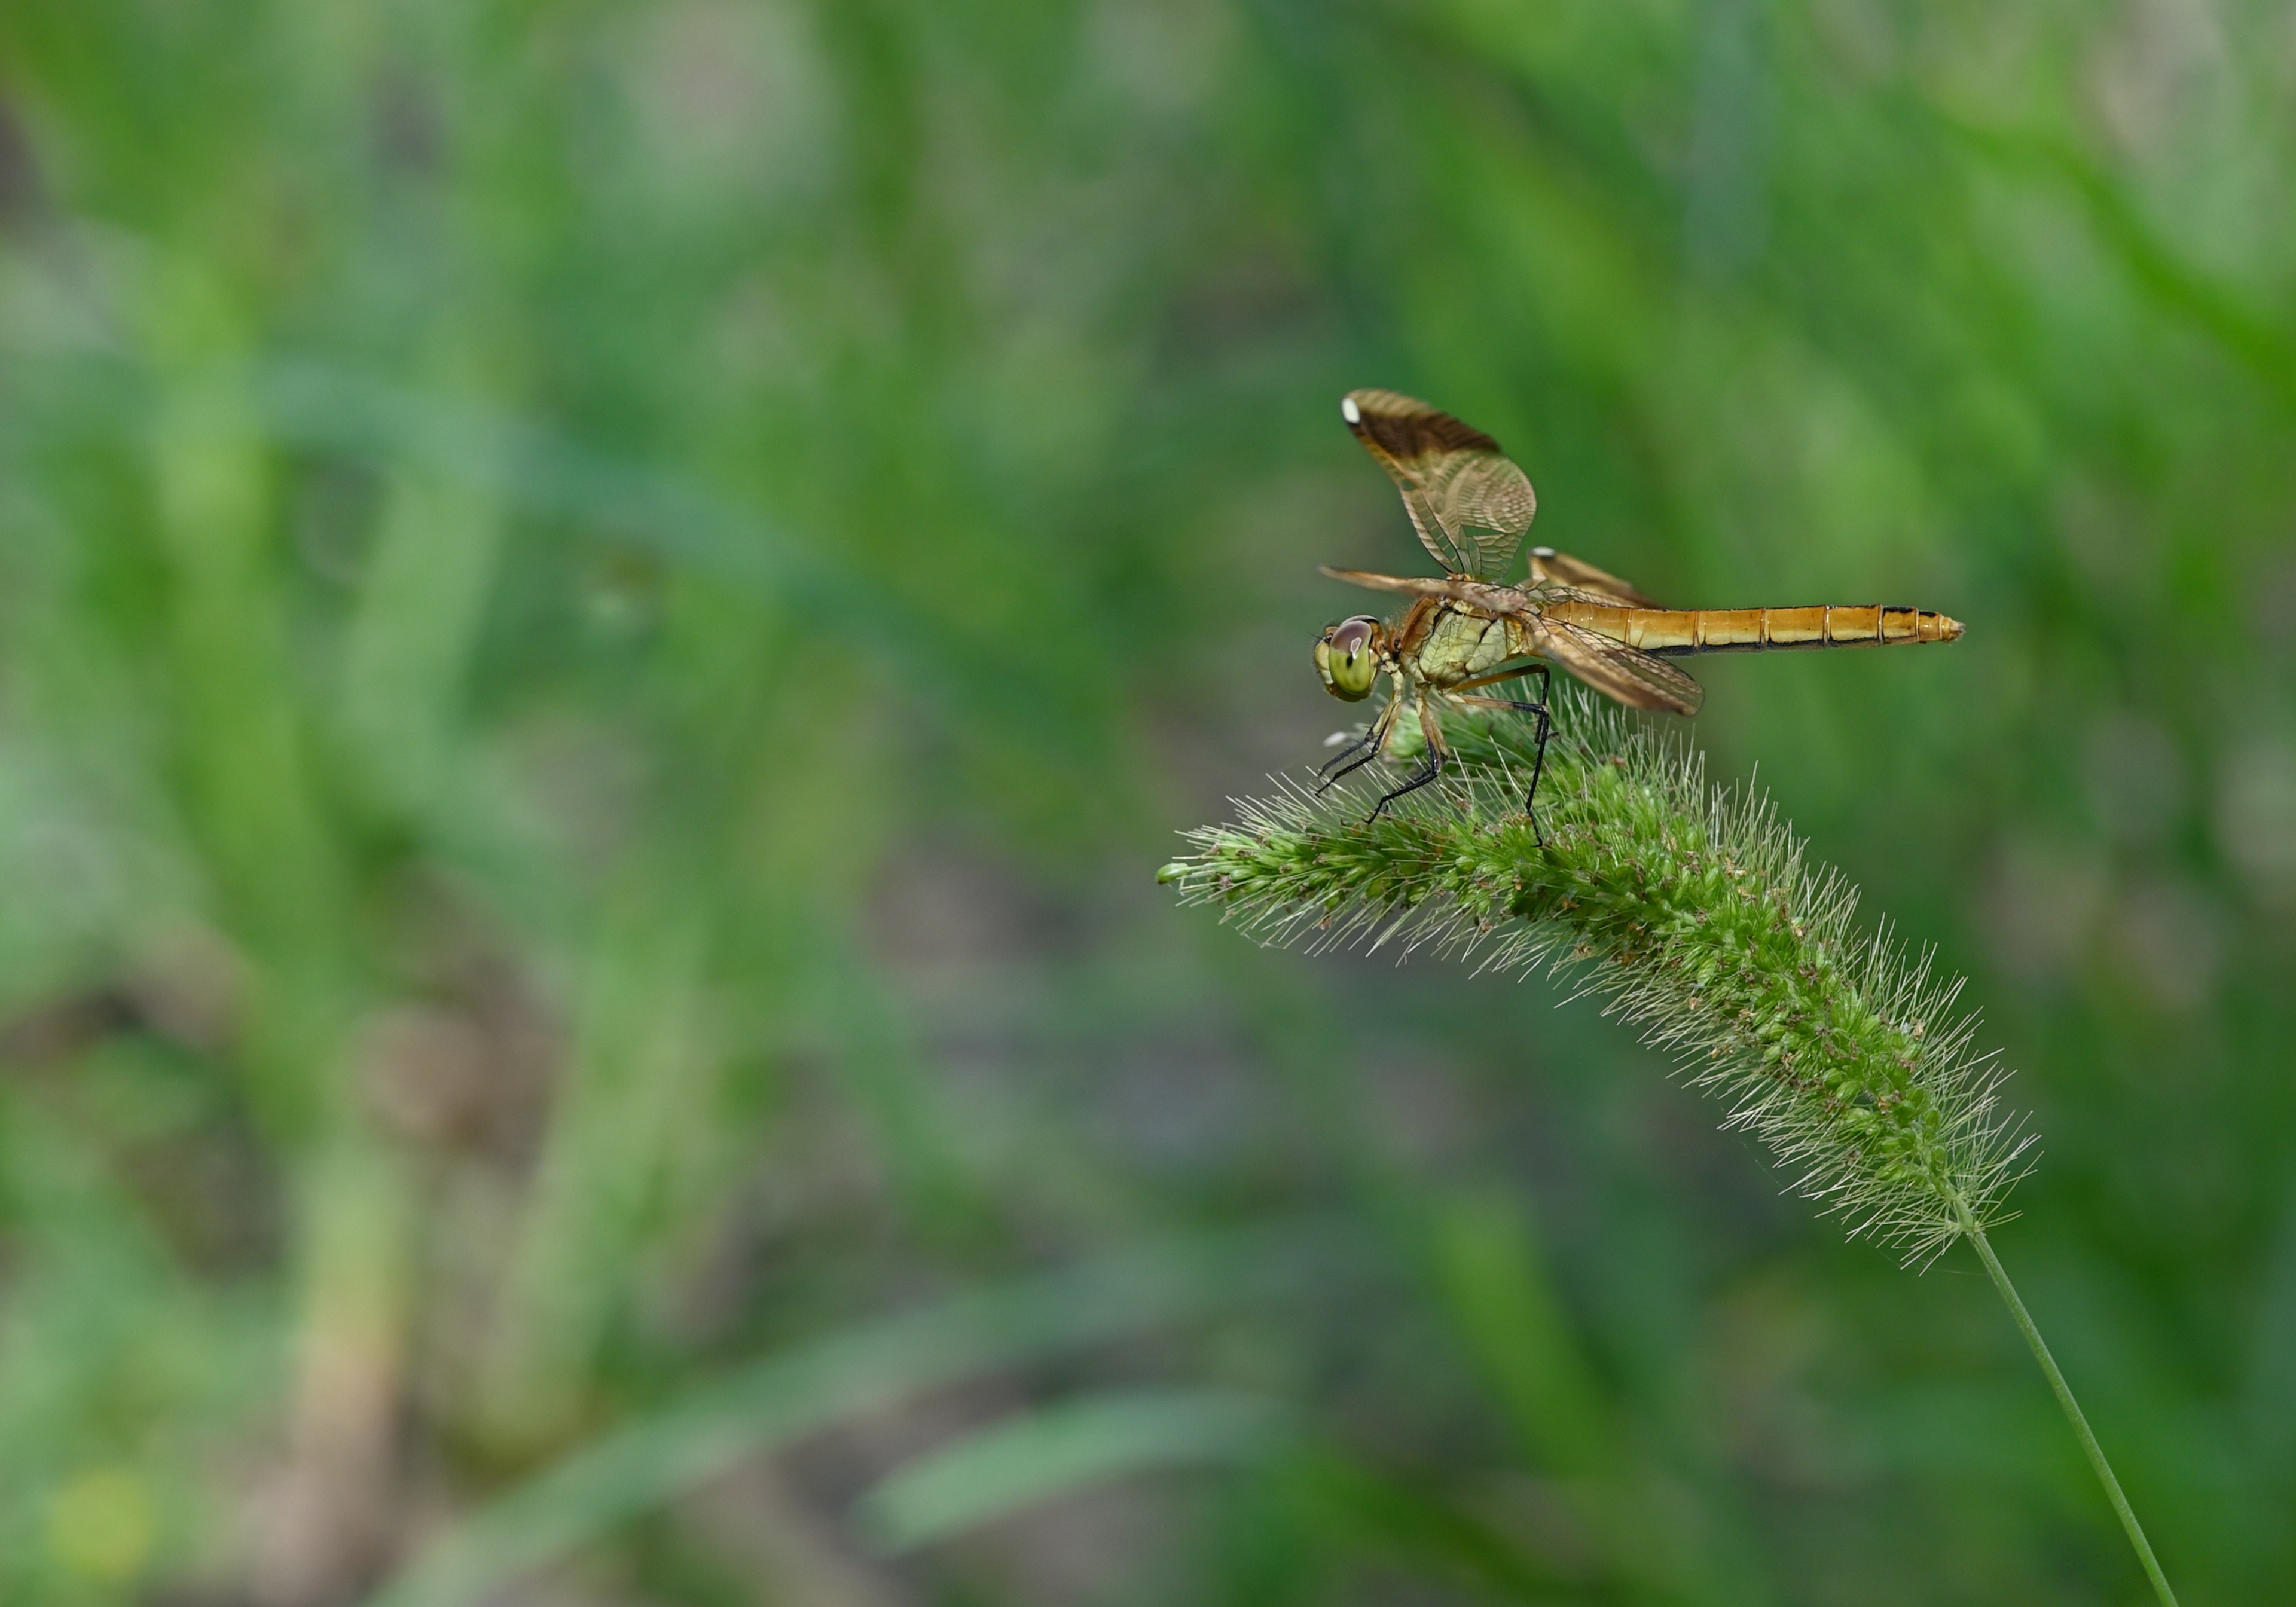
1694	915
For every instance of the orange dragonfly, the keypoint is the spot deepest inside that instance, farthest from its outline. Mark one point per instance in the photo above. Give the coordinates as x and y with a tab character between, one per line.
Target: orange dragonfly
1470	505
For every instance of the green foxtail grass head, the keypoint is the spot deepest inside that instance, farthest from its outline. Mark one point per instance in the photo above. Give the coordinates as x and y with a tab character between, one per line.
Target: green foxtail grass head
1692	913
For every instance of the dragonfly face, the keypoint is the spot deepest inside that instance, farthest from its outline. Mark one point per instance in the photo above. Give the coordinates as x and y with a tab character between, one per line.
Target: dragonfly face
1348	657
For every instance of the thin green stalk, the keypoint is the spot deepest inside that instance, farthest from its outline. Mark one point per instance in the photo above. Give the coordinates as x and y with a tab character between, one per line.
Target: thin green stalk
2104	1475
1696	916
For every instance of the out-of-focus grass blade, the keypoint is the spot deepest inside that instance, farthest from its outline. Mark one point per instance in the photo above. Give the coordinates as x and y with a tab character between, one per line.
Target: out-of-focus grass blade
537	469
1023	1460
2153	259
630	1469
307	403
1487	1260
321	407
316	405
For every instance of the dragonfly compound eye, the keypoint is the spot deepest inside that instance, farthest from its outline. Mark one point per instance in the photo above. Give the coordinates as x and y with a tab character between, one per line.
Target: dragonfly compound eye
1346	656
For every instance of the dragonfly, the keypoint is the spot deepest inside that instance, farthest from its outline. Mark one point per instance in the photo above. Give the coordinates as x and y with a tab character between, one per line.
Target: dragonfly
1468	633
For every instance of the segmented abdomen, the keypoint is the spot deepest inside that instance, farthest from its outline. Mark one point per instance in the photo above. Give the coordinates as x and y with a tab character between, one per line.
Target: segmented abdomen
1673	631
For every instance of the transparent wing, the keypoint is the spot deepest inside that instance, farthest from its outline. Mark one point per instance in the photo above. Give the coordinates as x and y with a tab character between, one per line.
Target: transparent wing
1616	671
1551	567
1466	498
1549	591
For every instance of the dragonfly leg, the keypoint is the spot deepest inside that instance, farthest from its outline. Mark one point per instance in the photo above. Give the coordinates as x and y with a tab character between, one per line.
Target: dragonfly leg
1370	746
1429	768
1353	748
1540	711
1538	760
1334	778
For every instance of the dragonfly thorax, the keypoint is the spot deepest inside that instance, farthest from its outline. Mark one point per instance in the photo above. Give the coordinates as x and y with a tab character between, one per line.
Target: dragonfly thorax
1444	644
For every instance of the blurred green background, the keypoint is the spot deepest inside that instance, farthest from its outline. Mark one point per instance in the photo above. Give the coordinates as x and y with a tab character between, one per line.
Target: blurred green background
606	608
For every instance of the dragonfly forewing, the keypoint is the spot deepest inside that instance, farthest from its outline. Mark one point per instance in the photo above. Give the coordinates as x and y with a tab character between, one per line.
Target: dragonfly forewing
1467	499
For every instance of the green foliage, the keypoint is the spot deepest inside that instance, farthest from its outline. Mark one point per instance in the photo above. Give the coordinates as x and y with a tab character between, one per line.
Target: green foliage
688	1441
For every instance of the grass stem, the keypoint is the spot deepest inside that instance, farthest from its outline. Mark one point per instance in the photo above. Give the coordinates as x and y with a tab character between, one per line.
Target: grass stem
2104	1475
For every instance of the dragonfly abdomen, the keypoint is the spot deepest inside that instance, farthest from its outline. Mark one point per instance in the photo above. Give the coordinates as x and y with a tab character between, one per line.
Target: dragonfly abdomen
1677	631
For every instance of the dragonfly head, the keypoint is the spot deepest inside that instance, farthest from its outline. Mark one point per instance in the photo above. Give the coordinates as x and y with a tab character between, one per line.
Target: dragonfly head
1348	655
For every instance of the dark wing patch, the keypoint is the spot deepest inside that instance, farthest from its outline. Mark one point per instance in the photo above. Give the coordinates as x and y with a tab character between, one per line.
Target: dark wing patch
1469	502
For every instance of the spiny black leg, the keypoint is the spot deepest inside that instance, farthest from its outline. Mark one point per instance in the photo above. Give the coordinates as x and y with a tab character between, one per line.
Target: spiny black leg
1540	711
1357	746
1537	767
1371	752
1420	777
1373	743
1538	760
1546	683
